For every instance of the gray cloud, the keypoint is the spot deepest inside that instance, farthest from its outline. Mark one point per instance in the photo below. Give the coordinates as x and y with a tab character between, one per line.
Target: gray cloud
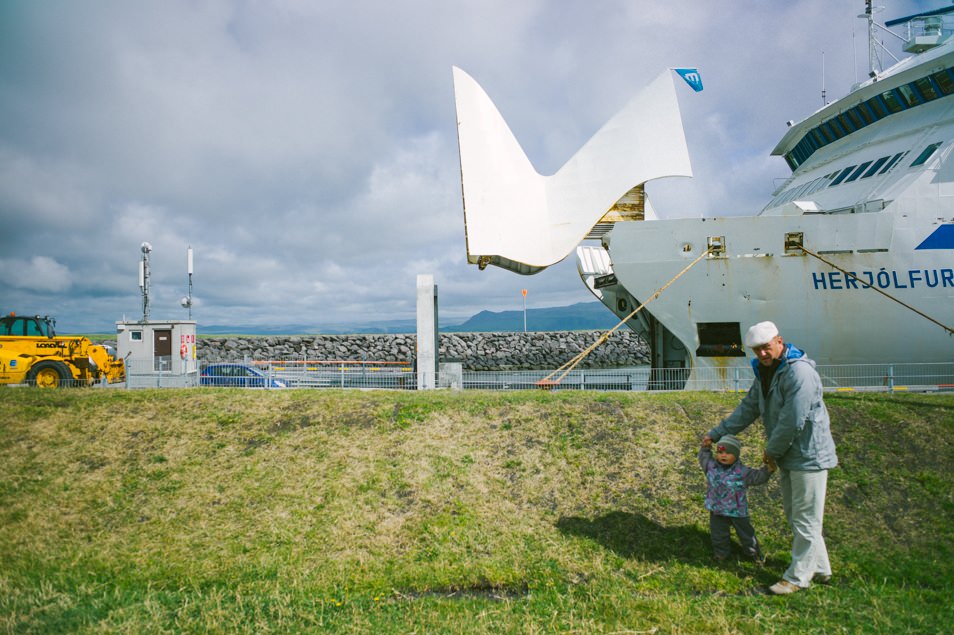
307	150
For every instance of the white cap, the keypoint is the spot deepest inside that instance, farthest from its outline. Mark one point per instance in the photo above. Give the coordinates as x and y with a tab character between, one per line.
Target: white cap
761	333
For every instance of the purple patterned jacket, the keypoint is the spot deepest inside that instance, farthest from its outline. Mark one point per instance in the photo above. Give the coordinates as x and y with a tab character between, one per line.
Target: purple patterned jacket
728	484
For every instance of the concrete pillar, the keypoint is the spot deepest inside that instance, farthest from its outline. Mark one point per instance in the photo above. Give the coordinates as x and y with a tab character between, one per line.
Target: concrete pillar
426	332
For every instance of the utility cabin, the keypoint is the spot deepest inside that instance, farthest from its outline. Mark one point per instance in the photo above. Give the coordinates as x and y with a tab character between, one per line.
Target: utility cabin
158	353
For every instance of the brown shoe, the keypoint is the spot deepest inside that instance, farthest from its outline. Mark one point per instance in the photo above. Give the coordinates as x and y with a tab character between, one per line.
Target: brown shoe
783	587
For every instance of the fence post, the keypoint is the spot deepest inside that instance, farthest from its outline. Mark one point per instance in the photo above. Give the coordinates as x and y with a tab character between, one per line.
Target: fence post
890	378
736	379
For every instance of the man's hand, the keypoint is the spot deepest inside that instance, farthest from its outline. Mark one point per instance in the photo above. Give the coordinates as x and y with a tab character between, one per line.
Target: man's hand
707	441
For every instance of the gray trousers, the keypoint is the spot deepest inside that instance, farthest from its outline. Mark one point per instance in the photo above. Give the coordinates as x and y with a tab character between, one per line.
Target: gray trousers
803	497
720	530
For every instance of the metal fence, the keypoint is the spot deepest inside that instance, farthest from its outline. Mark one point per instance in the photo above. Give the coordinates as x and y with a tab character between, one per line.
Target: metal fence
159	373
403	376
867	377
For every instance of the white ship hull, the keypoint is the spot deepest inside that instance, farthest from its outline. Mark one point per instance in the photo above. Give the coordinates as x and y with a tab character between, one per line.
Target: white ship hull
830	315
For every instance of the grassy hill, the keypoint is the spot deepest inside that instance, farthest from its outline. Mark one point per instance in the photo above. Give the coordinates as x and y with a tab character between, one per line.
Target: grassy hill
220	511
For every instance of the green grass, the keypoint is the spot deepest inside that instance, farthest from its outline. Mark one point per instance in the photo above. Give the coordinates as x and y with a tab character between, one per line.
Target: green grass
217	511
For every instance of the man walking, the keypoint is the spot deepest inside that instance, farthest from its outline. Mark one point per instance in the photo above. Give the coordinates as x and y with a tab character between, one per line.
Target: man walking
787	395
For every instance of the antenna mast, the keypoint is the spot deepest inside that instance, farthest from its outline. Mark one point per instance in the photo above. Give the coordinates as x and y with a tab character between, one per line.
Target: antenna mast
186	302
144	280
874	64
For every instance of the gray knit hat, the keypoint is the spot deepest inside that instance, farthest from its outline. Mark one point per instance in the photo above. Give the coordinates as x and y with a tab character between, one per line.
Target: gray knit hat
732	444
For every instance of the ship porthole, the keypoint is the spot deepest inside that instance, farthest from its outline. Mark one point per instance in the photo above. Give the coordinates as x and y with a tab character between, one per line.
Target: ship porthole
622	305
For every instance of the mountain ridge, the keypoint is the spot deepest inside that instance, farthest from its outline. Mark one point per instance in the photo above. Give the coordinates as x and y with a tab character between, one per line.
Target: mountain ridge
582	316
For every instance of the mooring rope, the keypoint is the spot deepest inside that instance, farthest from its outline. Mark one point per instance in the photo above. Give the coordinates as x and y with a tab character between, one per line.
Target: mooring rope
949	330
570	365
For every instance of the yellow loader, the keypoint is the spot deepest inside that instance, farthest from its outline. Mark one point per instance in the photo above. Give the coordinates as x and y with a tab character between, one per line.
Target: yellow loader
31	353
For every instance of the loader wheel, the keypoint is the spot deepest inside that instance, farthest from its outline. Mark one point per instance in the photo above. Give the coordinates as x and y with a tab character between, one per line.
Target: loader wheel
49	374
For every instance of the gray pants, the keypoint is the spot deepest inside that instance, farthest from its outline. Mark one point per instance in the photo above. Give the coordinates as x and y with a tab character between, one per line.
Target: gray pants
720	531
803	498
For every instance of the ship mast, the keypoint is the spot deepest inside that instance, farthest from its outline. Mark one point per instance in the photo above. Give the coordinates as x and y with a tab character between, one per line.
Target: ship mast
874	64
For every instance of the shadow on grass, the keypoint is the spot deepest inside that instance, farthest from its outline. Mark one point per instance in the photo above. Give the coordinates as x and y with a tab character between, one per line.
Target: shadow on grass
635	536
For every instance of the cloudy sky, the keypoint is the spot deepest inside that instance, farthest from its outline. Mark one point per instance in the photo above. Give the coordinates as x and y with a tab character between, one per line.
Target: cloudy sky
307	149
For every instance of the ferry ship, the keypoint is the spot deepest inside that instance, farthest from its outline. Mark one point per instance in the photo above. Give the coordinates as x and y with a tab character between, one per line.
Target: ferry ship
852	257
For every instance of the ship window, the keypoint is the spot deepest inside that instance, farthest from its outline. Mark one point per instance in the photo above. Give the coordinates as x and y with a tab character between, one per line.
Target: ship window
809	143
841	176
846	125
890	164
855	118
877	107
857	173
926	87
817	136
926	154
874	167
805	151
909	95
944	82
814	185
892	101
865	113
836	128
799	190
826	132
720	339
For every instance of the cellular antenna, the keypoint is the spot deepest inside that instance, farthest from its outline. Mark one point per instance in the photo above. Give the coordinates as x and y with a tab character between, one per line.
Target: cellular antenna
186	302
144	279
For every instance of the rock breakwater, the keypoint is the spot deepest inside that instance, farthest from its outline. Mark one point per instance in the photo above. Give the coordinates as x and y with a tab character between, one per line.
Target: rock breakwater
474	351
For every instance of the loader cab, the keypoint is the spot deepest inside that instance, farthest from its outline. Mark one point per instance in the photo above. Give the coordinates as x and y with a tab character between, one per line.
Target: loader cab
22	326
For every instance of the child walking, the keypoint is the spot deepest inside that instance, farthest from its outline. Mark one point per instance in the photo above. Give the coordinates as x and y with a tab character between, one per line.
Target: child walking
726	497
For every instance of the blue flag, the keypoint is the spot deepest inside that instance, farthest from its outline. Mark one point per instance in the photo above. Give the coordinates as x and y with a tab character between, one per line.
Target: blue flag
692	77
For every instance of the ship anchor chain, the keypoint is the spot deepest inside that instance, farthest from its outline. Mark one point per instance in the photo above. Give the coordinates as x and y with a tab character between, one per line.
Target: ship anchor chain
564	370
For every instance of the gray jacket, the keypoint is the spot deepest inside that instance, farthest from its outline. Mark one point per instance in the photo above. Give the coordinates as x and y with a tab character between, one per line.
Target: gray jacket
797	429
